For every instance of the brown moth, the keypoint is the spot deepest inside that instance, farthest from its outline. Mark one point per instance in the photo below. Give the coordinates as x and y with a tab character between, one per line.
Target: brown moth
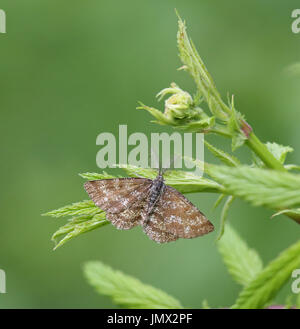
163	212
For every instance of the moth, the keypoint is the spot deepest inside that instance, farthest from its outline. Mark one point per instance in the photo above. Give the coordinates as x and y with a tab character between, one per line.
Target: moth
164	213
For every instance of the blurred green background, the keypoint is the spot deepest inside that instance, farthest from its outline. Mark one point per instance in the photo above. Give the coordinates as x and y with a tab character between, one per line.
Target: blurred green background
70	70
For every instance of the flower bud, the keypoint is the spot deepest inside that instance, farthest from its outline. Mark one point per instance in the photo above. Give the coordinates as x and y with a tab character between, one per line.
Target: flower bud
179	105
181	111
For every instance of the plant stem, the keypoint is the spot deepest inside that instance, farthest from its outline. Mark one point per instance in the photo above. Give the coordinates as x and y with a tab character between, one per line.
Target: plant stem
259	148
263	153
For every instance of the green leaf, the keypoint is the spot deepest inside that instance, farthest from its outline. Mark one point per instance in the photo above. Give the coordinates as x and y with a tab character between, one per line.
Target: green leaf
219	200
183	181
224	215
264	287
289	302
227	159
298	301
288	212
242	262
134	171
95	176
125	290
87	217
238	140
279	151
205	305
161	118
187	182
86	207
77	226
238	137
199	126
292	167
261	187
196	67
292	213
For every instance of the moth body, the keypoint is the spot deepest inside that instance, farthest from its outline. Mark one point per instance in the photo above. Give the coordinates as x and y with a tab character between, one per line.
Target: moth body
155	193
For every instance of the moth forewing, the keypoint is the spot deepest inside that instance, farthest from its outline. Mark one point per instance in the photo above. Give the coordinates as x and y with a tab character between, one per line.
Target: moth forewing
163	212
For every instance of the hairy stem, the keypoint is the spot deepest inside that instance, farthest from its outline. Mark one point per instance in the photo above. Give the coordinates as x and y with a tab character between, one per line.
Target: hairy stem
263	153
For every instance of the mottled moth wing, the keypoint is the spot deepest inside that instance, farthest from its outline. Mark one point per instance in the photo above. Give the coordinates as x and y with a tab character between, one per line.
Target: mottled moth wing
117	194
176	215
129	217
123	199
156	234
